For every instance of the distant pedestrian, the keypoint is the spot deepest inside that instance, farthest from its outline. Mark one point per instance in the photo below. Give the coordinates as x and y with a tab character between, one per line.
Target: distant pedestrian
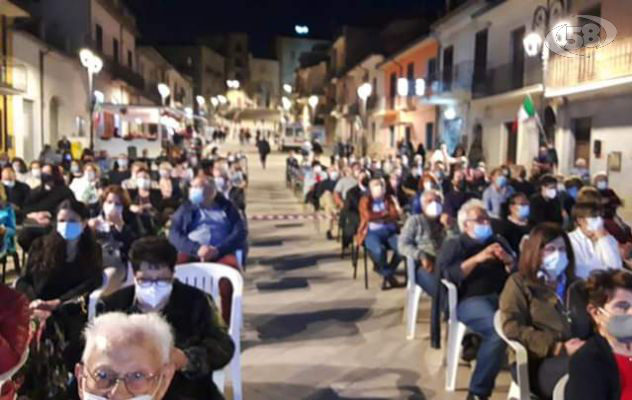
264	149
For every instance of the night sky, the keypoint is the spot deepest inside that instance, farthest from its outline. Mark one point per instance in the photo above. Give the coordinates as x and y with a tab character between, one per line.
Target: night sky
181	21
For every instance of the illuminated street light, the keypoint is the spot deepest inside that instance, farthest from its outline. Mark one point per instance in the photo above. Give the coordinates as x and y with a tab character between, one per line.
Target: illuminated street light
532	43
301	29
200	100
232	84
189	112
164	91
214	101
364	91
449	113
420	87
222	99
402	87
93	64
313	101
287	88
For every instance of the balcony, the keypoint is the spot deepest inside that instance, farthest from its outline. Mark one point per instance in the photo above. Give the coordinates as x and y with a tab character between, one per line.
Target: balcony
609	62
151	93
451	83
125	74
506	78
13	76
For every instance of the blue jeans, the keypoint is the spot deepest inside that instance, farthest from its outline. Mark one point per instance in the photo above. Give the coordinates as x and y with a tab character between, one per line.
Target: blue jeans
477	313
377	244
425	279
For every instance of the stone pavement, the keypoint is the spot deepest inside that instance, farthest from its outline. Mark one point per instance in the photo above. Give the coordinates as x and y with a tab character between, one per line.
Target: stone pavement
311	331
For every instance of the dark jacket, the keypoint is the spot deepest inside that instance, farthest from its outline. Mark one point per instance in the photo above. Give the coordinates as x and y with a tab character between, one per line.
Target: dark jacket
186	217
199	332
544	210
51	276
17	196
41	199
593	372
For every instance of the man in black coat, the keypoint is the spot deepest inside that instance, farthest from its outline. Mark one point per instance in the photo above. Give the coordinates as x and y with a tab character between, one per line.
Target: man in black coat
201	338
17	192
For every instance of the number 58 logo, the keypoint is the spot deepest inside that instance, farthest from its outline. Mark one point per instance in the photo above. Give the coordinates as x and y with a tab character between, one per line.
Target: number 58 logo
564	39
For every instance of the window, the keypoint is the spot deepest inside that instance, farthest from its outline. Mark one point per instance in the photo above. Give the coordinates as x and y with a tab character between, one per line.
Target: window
448	65
517	57
393	89
99	37
392	136
238	63
429	135
130	59
432	70
410	75
115	50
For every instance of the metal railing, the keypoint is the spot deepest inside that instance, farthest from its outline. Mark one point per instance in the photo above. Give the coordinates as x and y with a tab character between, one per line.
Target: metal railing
506	77
597	64
458	77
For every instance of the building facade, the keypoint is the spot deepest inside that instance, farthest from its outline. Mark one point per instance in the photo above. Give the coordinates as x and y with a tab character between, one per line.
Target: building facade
265	88
288	53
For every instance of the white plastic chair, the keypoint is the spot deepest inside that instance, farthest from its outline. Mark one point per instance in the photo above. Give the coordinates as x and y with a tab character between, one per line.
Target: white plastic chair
206	277
94	297
520	390
413	293
560	388
456	332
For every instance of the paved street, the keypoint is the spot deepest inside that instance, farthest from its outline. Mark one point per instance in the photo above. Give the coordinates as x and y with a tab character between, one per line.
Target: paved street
311	331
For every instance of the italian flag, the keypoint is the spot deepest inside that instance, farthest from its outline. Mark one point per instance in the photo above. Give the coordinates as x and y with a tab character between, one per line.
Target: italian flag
525	112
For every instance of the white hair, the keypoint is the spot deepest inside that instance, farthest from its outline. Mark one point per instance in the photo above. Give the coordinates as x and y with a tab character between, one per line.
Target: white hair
116	330
465	210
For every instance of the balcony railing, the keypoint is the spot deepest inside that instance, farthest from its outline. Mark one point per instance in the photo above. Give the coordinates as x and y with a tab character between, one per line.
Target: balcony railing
126	74
456	78
506	77
609	62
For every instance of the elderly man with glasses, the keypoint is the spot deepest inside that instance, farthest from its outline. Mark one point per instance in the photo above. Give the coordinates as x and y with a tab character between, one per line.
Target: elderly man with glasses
478	264
126	357
202	343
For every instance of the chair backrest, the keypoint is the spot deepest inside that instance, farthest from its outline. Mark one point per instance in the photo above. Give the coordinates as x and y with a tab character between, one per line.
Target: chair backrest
206	277
453	300
522	366
560	388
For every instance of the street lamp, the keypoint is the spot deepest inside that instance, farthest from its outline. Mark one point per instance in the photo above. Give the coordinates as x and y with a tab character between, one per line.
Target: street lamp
537	41
93	64
164	91
232	84
287	103
449	113
200	100
402	87
420	87
214	101
364	92
287	88
222	99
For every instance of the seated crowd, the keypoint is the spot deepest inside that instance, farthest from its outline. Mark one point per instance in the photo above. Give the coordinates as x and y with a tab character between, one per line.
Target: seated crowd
118	227
548	252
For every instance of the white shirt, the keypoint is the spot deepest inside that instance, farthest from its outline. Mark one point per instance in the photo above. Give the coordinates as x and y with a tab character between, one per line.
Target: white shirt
591	256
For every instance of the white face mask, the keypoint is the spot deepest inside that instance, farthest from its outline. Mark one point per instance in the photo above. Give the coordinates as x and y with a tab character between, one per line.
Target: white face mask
112	209
594	224
143	183
428	186
550	193
434	209
153	294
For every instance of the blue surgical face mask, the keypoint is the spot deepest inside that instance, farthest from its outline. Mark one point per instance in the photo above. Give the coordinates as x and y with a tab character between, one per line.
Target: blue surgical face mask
572	191
196	195
602	185
482	232
501	181
523	211
554	264
69	230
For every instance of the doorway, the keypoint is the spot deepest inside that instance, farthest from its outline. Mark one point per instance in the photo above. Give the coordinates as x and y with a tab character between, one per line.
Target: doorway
581	131
53	122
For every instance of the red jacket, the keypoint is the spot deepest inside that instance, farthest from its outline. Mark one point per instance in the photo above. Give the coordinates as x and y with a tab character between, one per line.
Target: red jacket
390	214
14	327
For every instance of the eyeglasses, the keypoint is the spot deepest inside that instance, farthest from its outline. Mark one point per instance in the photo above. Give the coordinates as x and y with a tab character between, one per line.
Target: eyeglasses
160	282
137	383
